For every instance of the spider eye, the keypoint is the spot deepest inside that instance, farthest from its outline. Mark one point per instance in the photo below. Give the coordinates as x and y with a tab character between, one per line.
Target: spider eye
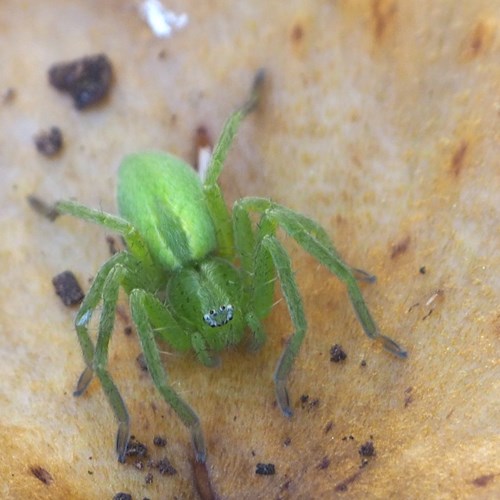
219	317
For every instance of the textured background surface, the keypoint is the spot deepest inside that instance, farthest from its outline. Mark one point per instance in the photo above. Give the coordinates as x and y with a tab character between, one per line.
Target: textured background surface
380	120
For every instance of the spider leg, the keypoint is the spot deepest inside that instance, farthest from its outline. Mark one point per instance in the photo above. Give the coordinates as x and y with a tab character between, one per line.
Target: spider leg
117	271
135	242
213	194
269	244
302	230
144	308
110	289
257	274
90	302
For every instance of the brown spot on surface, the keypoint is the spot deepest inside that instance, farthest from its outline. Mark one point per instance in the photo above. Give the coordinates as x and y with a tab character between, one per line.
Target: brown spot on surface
383	14
400	247
479	40
484	480
324	464
42	474
297	33
458	157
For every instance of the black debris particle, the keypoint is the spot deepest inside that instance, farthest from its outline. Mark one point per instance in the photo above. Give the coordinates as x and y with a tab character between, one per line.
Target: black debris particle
367	449
159	441
148	479
42	474
136	449
350	437
337	354
363	363
308	403
128	330
165	468
87	80
324	464
265	469
43	208
49	142
287	441
122	496
422	270
67	288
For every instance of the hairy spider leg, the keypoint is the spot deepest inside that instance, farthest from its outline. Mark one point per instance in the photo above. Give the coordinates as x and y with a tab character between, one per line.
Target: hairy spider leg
258	275
106	323
147	311
134	241
84	315
118	270
213	194
313	239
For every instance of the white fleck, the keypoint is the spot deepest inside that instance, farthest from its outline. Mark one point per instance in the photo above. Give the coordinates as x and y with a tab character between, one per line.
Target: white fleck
204	157
161	20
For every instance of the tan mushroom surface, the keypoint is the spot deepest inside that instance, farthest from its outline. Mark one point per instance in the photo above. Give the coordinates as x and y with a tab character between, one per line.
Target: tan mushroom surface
380	119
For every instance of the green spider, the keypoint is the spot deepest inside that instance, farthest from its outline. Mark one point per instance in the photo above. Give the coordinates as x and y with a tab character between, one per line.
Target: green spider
198	275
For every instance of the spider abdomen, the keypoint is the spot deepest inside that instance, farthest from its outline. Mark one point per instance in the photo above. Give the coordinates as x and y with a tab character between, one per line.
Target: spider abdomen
163	198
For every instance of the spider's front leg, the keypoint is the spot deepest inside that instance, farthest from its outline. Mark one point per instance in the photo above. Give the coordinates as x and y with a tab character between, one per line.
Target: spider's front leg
213	194
150	315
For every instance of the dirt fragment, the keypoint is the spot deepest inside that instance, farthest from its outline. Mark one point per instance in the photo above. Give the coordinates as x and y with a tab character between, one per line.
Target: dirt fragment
87	80
159	441
337	354
265	469
68	288
42	474
367	449
49	142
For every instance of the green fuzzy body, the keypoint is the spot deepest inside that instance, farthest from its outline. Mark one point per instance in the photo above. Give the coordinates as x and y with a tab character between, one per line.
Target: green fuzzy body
162	197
